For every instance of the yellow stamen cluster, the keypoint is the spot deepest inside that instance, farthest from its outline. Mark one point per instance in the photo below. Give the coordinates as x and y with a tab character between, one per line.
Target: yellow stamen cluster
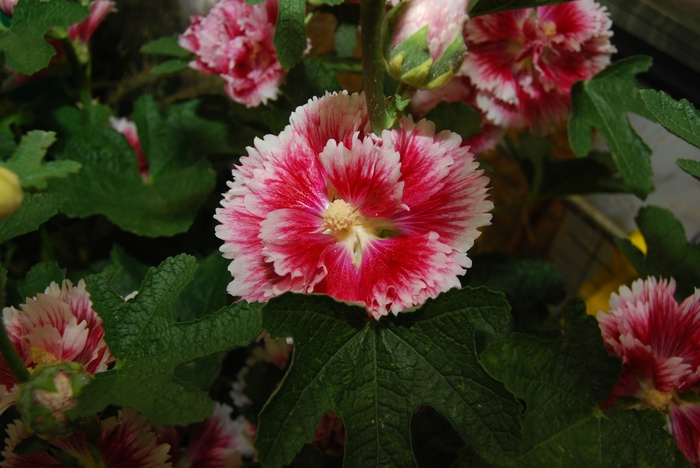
339	216
41	356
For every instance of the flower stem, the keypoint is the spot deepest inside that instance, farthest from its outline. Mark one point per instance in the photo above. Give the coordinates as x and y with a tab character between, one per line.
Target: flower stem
9	353
81	78
371	17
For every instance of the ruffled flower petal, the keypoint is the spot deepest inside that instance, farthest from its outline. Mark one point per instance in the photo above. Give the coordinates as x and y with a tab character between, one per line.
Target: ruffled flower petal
684	424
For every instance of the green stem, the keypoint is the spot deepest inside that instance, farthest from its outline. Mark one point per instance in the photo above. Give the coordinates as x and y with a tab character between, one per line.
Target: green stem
371	17
81	78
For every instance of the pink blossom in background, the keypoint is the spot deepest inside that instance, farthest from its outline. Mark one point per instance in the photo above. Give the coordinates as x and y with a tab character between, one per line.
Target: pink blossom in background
659	343
99	9
58	325
128	128
329	437
219	441
459	89
523	63
327	207
126	440
445	20
234	41
6	6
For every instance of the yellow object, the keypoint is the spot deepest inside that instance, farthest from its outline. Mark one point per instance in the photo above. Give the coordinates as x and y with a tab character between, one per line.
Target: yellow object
596	290
11	194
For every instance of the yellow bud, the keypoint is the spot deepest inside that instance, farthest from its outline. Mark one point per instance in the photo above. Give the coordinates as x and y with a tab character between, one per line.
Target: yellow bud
11	193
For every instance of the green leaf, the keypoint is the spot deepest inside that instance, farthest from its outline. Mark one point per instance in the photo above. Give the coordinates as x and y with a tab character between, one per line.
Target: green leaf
669	254
148	345
27	161
169	66
36	209
346	39
40	277
679	117
690	166
375	375
207	291
166	46
290	32
179	176
486	7
23	42
458	117
603	102
308	79
124	272
562	382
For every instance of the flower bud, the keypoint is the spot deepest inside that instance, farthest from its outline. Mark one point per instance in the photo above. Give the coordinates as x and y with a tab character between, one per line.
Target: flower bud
423	41
11	194
48	401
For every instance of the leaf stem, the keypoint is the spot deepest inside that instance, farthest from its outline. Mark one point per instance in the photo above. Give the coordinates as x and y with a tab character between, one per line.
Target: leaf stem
371	17
81	79
9	353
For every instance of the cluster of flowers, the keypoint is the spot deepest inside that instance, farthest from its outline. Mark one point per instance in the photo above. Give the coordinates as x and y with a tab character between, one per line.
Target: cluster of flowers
659	343
60	325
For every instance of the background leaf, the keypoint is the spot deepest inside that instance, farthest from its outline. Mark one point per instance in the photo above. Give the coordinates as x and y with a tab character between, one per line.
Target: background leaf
486	7
23	42
148	345
290	32
679	117
603	102
166	46
562	382
27	161
457	117
375	375
690	166
36	209
669	254
40	277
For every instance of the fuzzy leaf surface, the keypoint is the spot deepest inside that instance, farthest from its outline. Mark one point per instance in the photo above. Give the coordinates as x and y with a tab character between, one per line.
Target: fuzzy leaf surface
562	381
690	166
669	254
679	117
603	102
375	375
27	162
40	277
148	345
290	32
35	210
179	176
23	42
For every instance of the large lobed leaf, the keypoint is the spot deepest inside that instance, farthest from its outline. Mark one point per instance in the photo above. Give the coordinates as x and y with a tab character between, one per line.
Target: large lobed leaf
669	254
23	42
603	102
36	208
562	381
148	345
375	375
180	177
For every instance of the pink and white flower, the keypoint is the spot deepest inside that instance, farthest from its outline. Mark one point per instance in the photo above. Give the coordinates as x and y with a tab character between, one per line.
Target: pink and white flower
128	128
523	63
658	341
58	325
234	41
327	207
99	9
6	6
123	441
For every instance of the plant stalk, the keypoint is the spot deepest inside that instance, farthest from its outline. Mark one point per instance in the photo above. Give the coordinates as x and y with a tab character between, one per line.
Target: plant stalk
371	17
81	78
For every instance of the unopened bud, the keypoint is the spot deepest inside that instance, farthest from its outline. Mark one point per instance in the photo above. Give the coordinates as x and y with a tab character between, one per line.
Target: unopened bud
423	42
48	402
11	194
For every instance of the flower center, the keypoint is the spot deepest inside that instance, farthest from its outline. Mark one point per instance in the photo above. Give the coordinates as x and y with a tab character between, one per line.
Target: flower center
41	356
339	216
656	399
550	28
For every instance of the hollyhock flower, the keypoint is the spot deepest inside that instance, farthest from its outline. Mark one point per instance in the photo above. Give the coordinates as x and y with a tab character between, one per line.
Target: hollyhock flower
234	41
124	441
657	340
327	207
99	9
459	89
442	22
329	437
6	6
58	325
219	441
128	128
523	63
